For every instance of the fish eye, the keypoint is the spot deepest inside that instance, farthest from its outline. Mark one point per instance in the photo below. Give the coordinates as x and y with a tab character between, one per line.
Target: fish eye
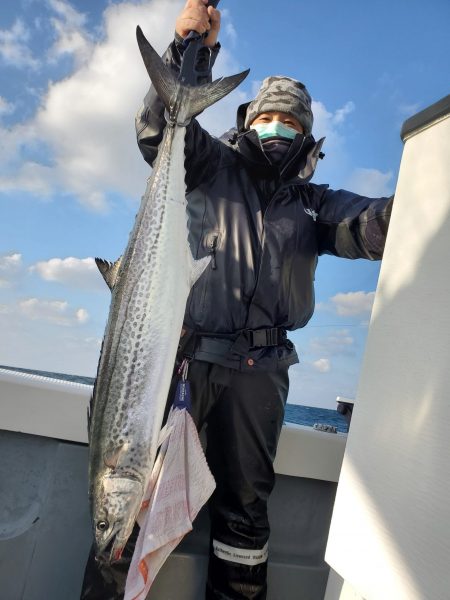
102	525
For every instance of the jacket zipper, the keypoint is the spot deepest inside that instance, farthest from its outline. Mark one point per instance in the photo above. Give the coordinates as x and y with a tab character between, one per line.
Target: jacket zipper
269	204
261	253
263	234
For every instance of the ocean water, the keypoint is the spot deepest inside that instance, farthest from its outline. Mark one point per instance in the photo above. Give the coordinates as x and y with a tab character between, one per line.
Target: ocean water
51	375
310	415
295	413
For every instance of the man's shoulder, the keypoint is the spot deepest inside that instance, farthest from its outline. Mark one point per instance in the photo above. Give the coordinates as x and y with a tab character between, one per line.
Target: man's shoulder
229	139
313	191
317	188
228	148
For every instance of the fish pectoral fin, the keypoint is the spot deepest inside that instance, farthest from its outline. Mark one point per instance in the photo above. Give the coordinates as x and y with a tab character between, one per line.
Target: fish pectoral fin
196	267
164	434
112	456
108	270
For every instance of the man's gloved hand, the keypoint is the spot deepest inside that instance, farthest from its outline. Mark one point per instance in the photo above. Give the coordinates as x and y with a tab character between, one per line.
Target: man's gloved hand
197	16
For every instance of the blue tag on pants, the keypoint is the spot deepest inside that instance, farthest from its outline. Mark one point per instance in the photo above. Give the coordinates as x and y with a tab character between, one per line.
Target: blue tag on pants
183	396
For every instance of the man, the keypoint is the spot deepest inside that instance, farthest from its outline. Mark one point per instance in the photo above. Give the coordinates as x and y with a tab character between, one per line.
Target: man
252	209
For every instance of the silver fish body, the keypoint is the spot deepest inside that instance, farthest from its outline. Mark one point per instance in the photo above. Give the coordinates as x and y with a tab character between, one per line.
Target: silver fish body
149	293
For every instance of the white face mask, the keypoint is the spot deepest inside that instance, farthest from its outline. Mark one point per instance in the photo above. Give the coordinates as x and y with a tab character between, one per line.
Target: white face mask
274	129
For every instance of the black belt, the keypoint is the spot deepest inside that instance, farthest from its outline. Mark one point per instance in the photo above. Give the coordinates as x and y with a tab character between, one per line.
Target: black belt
259	338
240	342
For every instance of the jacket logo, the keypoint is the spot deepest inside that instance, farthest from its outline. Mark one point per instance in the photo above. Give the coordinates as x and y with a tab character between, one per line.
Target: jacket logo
312	213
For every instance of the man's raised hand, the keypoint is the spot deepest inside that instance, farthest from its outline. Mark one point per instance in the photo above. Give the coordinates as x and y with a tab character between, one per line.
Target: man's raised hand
197	16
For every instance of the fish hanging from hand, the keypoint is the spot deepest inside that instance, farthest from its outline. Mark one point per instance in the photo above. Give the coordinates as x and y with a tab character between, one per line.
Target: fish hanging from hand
150	286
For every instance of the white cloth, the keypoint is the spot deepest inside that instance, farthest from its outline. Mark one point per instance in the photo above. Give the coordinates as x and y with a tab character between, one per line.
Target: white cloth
180	484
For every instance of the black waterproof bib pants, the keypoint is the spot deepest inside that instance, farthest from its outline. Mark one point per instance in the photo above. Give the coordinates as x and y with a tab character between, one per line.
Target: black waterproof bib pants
244	414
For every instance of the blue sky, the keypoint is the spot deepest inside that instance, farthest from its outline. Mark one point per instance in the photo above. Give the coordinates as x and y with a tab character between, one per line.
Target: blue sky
71	175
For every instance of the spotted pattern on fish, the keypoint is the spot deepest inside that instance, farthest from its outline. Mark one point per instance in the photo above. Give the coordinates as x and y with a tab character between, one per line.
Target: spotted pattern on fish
133	372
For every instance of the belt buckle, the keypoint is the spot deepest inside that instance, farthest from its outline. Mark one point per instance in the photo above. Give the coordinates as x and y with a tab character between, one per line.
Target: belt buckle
261	338
272	336
256	338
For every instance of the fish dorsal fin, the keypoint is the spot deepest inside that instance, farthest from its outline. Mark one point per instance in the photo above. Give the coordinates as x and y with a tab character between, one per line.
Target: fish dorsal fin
109	270
196	267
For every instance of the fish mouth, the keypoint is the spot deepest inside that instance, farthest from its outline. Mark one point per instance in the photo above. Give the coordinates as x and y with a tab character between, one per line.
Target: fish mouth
110	553
117	549
111	548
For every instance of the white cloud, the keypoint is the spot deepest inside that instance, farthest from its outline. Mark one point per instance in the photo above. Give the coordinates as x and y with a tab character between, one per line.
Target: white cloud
87	119
54	311
341	113
13	46
371	182
11	140
68	14
10	261
75	272
330	125
338	342
31	177
322	365
6	108
321	306
82	315
10	268
47	345
72	38
227	26
327	124
353	303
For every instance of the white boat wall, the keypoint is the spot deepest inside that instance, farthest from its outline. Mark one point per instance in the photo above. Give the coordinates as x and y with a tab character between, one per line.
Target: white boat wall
45	532
390	532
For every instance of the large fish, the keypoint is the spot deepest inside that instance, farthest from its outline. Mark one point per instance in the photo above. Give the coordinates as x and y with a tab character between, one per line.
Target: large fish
150	286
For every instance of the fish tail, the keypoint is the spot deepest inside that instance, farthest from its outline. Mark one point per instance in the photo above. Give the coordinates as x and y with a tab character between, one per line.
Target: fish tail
181	101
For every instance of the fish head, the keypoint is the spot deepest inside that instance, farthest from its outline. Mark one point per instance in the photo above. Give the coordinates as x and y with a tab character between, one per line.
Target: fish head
115	508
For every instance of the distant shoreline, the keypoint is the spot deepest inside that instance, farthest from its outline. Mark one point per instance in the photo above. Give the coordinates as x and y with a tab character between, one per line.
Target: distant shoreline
51	375
294	413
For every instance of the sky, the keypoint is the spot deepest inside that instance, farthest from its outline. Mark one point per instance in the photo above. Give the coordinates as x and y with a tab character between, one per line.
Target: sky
71	175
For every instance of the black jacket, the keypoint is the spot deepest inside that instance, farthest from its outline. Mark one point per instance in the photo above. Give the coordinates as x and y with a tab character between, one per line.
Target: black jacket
262	269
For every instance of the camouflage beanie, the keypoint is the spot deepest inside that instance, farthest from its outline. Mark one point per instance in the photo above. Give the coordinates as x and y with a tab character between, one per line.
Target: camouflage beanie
282	94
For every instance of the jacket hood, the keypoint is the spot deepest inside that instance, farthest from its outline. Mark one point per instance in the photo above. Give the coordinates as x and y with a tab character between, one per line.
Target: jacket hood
300	161
241	114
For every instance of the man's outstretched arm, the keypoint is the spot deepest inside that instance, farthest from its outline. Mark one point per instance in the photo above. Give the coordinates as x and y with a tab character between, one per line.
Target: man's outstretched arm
352	226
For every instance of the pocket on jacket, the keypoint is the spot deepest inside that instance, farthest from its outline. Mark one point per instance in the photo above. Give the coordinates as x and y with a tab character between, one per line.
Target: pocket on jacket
201	292
211	242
